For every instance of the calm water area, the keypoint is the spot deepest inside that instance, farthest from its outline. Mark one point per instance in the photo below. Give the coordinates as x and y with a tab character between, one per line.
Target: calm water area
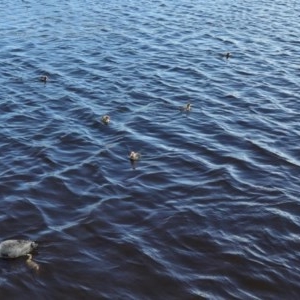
211	209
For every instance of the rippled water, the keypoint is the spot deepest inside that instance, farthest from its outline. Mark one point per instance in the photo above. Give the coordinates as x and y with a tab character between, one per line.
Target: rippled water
211	210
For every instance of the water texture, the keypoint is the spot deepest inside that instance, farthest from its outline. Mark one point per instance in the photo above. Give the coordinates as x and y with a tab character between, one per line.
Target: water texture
211	210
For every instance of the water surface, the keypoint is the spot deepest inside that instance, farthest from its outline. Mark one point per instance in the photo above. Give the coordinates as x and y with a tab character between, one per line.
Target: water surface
211	209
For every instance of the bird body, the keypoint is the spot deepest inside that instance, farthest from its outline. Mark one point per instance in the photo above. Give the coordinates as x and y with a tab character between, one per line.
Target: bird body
134	156
227	55
16	248
188	107
32	264
105	119
44	78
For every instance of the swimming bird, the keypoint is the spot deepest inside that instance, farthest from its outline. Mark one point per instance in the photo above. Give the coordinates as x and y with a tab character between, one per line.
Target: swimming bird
105	119
16	248
133	156
227	55
32	264
44	78
188	107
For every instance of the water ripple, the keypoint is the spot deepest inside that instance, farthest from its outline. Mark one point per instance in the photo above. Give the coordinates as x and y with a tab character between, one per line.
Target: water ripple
211	208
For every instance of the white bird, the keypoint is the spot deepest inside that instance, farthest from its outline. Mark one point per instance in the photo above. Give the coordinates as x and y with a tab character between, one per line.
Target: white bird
105	119
32	264
134	156
16	248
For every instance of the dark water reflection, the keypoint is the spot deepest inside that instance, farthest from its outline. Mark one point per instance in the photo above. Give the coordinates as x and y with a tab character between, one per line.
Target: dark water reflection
210	211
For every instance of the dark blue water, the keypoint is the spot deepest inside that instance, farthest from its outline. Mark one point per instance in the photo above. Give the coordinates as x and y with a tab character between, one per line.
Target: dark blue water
211	210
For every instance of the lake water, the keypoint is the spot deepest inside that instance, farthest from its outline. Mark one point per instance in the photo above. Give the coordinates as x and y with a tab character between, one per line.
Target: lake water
211	209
